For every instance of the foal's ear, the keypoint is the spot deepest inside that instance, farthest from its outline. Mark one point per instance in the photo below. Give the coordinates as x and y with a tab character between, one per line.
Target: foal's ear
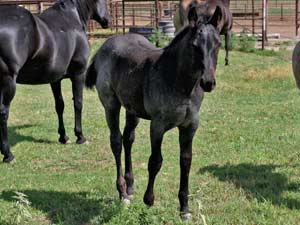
216	18
192	16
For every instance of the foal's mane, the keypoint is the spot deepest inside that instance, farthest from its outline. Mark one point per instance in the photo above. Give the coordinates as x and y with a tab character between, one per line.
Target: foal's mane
178	38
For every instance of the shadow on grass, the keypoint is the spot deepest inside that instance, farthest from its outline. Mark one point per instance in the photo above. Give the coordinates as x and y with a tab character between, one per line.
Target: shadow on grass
15	136
67	208
259	181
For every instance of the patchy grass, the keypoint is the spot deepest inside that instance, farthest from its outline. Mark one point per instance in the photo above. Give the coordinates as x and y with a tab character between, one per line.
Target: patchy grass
245	168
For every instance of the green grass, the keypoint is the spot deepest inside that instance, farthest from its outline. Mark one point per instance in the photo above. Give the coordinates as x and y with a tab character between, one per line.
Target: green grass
246	158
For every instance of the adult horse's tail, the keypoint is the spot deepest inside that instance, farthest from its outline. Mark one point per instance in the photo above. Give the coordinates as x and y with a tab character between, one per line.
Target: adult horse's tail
296	64
91	75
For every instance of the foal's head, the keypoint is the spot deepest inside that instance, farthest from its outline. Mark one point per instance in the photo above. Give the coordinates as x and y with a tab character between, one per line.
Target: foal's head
100	13
206	42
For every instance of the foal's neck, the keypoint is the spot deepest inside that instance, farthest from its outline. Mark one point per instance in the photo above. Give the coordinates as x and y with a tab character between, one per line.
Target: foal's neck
181	65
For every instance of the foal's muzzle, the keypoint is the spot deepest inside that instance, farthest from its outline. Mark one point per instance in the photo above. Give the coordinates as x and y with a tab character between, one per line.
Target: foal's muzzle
208	85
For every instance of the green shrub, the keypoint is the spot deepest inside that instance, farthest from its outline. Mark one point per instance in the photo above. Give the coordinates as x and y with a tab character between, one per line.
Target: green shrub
159	39
243	42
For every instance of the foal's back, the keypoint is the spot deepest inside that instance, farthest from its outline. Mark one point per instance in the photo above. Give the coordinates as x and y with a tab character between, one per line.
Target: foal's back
125	61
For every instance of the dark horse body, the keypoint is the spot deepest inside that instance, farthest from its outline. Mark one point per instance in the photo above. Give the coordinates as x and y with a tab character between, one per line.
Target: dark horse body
206	8
162	85
45	49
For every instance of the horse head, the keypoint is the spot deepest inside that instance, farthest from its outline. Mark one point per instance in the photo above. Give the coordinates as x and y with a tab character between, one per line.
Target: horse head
206	41
100	13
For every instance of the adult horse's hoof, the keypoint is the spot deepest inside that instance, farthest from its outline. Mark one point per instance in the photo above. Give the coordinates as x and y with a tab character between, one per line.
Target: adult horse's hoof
186	216
64	140
81	140
8	158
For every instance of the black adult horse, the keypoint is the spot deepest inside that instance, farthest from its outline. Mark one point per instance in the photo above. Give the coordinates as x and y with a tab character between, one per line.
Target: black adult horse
162	85
206	8
45	49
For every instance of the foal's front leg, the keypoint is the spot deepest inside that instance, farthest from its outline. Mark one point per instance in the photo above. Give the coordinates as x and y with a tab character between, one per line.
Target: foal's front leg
157	131
59	106
77	88
186	135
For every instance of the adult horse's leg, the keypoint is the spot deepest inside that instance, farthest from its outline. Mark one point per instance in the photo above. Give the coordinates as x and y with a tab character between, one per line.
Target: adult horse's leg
77	88
128	138
227	46
157	131
112	113
59	106
186	135
7	92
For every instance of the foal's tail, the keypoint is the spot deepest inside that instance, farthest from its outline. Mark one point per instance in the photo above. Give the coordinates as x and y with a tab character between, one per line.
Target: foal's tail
91	75
296	64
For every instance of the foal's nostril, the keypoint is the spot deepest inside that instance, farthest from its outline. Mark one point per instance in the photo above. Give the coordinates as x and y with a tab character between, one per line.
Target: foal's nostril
207	86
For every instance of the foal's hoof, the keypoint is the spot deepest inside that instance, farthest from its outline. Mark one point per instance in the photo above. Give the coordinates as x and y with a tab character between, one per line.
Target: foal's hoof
64	140
130	191
9	158
186	216
149	199
126	201
81	140
130	197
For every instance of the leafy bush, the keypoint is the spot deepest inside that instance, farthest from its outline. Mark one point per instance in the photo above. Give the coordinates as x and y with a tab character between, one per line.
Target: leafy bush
159	39
243	42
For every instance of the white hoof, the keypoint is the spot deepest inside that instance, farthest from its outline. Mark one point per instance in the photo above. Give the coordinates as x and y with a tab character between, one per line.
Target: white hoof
130	197
186	216
69	142
126	202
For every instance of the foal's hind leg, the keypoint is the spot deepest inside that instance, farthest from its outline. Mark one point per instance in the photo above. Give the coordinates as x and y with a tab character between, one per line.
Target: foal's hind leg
7	92
128	138
59	106
77	88
227	46
112	112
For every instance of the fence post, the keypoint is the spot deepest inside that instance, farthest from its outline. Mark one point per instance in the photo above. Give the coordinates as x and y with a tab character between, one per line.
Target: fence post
264	24
297	14
41	7
156	13
123	15
117	17
281	12
112	15
253	18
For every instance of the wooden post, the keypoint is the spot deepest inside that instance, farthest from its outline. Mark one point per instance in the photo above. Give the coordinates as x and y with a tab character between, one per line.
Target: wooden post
253	18
264	24
117	17
281	12
123	15
112	15
133	16
41	7
156	13
297	14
